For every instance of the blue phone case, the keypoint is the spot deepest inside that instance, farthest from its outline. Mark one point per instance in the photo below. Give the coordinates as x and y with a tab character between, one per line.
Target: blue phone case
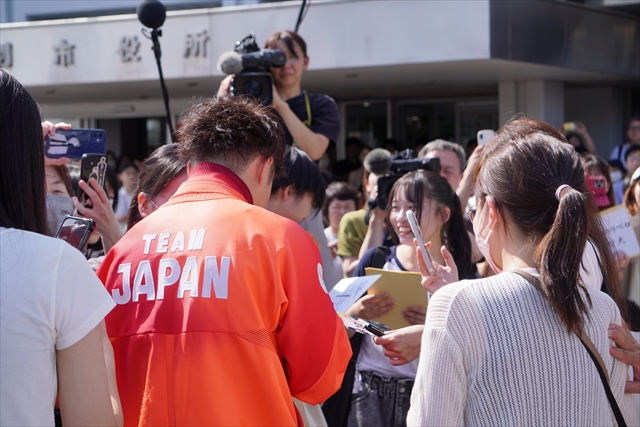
73	143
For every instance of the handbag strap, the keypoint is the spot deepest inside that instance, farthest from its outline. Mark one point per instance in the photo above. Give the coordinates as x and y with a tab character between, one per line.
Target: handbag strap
593	353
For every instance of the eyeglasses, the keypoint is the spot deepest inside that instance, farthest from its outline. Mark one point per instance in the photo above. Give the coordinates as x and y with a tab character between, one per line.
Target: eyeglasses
471	213
634	127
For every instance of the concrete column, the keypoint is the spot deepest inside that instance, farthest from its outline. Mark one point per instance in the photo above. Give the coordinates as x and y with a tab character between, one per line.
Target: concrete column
536	99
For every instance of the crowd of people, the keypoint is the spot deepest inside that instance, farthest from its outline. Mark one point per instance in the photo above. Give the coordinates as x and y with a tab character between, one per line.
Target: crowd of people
202	295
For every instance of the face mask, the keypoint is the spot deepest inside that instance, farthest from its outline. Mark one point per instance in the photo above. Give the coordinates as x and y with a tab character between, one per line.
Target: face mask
616	176
57	208
483	244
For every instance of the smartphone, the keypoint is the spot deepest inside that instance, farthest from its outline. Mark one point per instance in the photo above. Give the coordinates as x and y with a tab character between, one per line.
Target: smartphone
361	326
74	143
569	127
92	166
485	136
76	231
416	232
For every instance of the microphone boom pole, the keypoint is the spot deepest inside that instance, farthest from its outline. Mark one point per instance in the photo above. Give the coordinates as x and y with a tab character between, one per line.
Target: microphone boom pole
155	33
152	14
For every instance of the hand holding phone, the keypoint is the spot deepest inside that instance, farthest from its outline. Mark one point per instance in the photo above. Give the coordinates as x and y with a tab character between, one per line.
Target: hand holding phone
418	234
92	166
76	231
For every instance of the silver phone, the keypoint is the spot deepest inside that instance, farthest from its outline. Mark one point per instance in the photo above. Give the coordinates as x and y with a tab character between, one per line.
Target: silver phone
416	232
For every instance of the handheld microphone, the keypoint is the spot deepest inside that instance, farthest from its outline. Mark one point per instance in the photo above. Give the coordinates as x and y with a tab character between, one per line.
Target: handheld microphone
230	63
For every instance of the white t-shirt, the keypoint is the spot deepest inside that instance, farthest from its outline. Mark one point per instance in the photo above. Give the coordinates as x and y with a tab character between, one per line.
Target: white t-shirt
590	271
49	300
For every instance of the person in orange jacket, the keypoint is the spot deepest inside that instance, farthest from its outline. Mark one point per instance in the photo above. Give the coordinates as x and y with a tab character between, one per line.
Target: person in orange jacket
222	315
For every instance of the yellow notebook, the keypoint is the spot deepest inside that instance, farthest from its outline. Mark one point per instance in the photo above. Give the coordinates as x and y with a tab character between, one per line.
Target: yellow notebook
404	288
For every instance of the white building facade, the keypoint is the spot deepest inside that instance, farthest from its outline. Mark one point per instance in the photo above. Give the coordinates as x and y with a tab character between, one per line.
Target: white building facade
408	70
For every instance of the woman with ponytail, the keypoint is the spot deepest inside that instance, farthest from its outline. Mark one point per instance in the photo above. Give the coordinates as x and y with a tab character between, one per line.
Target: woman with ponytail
382	390
512	349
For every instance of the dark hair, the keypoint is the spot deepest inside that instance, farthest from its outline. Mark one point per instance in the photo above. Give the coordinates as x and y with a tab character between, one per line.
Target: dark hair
581	149
22	179
593	161
338	191
231	131
303	174
290	38
63	173
633	119
632	149
161	167
634	316
521	169
417	186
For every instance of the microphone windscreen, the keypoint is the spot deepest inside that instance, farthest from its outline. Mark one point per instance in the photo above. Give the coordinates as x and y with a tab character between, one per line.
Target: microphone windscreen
151	13
378	161
230	63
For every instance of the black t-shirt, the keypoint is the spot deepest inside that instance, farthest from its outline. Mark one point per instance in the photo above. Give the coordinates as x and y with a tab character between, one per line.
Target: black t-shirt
325	115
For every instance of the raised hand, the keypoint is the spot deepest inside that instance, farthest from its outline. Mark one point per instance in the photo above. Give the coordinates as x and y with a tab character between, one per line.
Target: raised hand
445	274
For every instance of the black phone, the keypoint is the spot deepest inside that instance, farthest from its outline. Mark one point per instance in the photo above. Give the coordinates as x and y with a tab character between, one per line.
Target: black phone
92	166
76	231
74	143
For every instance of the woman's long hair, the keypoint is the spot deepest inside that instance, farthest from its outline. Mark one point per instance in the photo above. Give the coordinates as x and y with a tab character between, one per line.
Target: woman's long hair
22	178
161	167
417	186
521	168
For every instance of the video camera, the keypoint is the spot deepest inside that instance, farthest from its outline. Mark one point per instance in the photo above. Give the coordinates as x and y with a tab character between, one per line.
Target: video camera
251	68
402	163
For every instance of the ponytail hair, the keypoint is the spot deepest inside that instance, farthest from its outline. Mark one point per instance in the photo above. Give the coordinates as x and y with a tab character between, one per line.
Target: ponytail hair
521	168
568	232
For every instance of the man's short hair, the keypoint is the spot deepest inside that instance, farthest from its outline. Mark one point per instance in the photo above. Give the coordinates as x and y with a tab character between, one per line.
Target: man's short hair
442	145
301	172
632	149
231	131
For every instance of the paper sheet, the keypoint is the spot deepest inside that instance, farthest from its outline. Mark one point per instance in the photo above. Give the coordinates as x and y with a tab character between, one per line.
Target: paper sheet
348	291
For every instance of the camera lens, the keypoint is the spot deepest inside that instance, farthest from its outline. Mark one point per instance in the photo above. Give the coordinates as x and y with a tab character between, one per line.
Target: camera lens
253	87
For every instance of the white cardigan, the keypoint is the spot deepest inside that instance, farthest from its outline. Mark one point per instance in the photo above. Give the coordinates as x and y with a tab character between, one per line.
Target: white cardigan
495	353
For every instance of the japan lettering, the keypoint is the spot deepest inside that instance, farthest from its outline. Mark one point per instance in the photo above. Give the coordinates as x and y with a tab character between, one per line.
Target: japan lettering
145	284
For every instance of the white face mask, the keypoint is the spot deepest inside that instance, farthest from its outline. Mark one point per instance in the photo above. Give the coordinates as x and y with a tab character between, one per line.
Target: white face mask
616	176
483	244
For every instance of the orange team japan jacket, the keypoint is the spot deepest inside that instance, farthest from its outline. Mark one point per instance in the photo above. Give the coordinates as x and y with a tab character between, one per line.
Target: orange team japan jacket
222	314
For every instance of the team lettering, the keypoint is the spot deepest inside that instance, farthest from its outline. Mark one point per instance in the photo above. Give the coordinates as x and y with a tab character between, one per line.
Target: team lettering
196	239
215	272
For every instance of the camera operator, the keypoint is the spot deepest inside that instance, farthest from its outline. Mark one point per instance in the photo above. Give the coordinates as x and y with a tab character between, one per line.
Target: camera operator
312	120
